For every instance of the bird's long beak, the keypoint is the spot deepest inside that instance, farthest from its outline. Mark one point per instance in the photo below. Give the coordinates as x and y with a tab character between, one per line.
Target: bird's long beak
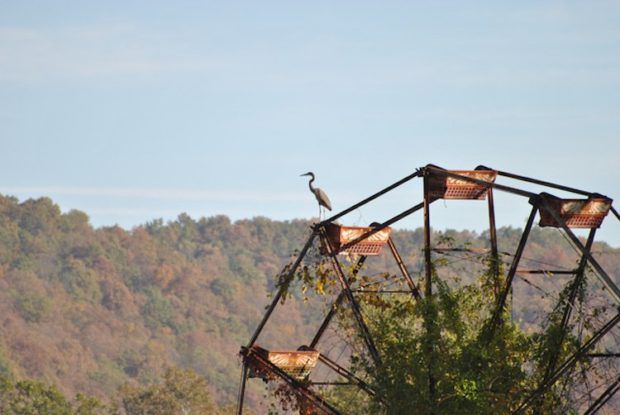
305	174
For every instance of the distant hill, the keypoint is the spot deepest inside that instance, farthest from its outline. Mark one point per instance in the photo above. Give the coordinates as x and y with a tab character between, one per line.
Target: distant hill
91	309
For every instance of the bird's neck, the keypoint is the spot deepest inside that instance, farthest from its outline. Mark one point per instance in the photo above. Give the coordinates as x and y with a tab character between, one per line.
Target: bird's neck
310	184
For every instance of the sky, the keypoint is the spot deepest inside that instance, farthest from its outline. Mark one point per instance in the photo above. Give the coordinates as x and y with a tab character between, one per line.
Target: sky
132	111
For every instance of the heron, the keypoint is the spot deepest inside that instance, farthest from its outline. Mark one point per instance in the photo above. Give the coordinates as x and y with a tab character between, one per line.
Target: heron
320	195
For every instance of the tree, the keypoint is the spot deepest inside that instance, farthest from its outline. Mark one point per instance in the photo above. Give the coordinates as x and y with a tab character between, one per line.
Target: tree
89	405
443	340
473	373
29	397
182	392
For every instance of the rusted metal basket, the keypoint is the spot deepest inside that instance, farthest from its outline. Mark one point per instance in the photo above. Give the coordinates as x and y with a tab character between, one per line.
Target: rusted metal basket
339	236
576	213
446	187
297	364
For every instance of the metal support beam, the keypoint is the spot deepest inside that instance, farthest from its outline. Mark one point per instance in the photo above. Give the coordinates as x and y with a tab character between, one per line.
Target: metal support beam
241	397
404	180
600	272
428	286
362	291
544	183
348	375
566	314
328	318
552	372
546	271
615	212
287	280
477	251
493	238
501	302
568	364
428	265
379	227
334	307
604	398
403	269
357	313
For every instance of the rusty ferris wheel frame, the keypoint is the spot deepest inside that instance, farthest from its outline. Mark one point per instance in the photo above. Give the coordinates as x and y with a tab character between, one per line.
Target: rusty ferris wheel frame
440	183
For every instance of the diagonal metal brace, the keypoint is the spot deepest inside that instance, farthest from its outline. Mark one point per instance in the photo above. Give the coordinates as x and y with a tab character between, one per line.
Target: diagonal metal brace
604	398
334	306
287	279
600	272
345	373
346	287
568	364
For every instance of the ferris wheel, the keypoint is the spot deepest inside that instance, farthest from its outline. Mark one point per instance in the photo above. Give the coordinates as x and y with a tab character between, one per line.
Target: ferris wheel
345	250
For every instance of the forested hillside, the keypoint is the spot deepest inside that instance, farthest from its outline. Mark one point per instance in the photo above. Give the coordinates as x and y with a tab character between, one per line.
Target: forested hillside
90	310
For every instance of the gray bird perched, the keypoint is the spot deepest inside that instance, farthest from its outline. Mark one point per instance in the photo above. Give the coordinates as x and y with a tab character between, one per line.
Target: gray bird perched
320	195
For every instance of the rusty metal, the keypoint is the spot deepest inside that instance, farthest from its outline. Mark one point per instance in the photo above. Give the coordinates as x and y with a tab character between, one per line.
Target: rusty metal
447	187
541	182
403	269
493	239
380	227
328	318
501	303
298	386
480	251
358	205
566	314
334	306
357	313
361	291
428	287
297	363
600	272
448	184
348	375
576	213
604	398
615	212
276	298
241	396
568	364
428	265
547	271
340	236
508	189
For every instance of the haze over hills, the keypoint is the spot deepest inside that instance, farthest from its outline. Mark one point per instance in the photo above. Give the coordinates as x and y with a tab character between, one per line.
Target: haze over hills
91	309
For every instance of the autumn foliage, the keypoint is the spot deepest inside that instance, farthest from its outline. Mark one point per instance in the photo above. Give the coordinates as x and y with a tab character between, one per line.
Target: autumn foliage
100	311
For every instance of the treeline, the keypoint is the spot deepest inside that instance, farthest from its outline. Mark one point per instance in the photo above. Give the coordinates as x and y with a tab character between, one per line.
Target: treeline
180	392
94	310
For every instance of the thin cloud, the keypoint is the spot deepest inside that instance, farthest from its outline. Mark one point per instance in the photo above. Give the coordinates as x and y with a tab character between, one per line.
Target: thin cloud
114	49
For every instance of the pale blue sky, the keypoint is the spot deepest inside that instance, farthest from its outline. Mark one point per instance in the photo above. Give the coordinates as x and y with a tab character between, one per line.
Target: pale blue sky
136	110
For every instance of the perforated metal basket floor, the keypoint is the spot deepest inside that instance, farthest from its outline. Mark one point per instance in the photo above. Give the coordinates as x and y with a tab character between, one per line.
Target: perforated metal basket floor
576	213
446	187
340	236
295	363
